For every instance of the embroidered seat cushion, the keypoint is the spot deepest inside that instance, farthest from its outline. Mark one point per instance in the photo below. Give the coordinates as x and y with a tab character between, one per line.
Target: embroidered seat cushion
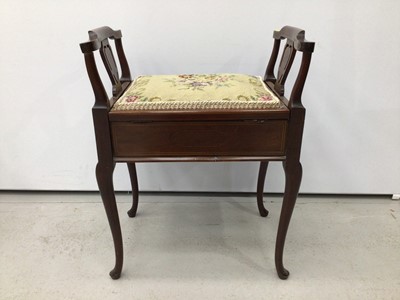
197	92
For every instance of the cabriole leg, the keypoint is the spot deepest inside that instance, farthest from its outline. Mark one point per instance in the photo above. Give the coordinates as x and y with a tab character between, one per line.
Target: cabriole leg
260	188
135	190
104	179
293	172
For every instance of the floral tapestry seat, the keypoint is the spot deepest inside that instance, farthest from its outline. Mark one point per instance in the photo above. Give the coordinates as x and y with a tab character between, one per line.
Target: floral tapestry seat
197	92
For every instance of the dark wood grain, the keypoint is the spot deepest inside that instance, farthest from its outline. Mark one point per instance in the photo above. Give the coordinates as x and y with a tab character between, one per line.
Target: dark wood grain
158	139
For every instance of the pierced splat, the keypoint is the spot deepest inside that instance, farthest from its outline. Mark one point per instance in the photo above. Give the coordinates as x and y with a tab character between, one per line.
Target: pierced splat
284	67
110	65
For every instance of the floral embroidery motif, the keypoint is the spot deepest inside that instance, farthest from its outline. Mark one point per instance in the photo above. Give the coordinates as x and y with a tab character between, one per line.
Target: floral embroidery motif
197	91
199	82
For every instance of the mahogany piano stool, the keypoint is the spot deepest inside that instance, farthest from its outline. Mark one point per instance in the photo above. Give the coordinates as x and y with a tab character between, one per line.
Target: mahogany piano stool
240	118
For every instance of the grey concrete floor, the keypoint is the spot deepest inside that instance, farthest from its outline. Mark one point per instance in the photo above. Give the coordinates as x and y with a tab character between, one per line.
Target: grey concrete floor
58	246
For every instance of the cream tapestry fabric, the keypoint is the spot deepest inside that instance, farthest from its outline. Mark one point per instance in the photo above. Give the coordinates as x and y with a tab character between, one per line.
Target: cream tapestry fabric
197	92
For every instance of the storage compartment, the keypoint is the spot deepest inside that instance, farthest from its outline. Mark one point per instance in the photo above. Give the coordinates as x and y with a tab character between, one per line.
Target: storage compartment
199	138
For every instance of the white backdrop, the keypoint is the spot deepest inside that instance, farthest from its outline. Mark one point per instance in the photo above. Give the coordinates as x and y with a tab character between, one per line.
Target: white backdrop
351	140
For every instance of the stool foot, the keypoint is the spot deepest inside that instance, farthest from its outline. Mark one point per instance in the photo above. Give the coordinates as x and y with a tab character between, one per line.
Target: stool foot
132	212
115	274
283	274
263	212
